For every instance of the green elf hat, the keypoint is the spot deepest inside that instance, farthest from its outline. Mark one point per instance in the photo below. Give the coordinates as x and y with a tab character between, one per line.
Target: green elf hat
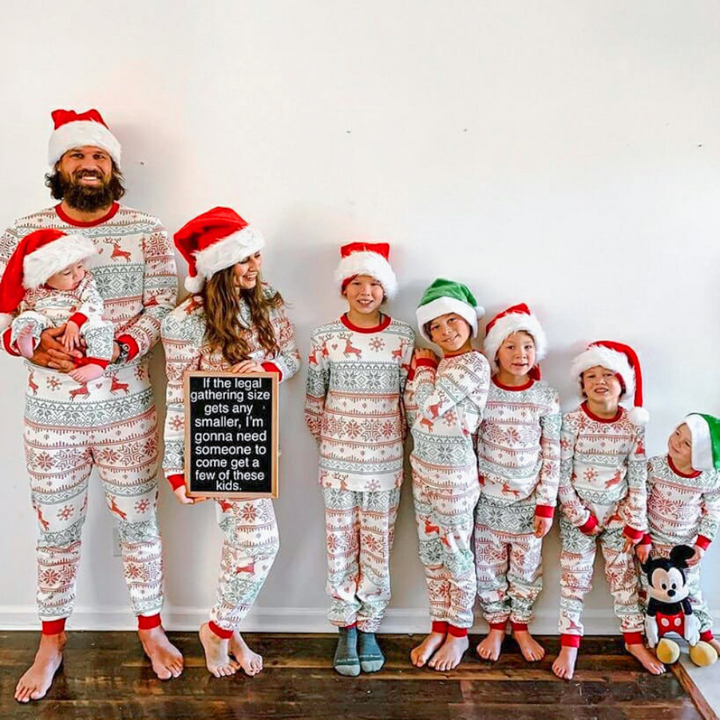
446	296
705	431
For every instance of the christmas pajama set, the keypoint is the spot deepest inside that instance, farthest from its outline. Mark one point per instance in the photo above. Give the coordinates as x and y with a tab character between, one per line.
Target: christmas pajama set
356	379
603	480
109	423
683	509
445	405
250	532
518	461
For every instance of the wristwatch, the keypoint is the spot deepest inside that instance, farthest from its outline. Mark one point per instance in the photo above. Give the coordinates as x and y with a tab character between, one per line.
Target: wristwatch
124	353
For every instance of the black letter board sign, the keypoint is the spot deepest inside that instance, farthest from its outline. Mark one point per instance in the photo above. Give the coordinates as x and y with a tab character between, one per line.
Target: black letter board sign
231	435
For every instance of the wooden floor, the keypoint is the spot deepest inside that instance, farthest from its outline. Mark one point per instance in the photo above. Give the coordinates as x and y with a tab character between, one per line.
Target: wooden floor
105	677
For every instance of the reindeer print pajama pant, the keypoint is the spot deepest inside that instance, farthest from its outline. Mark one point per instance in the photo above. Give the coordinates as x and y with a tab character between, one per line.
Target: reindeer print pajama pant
109	423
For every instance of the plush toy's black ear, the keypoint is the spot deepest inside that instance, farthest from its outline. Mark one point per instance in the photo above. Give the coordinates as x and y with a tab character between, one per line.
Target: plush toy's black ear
680	554
646	567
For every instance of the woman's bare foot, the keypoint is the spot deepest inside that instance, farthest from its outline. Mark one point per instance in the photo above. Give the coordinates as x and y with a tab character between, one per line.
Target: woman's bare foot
490	646
166	660
564	665
646	658
86	373
250	661
426	649
530	648
26	342
217	659
36	681
450	655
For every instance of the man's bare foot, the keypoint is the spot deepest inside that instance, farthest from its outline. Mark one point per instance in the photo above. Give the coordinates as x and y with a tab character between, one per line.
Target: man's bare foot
530	648
646	658
217	656
36	681
426	649
26	342
564	665
86	373
165	658
490	646
450	655
250	661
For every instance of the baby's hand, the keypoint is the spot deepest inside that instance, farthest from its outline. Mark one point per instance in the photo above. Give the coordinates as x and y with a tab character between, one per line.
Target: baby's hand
643	552
697	557
71	336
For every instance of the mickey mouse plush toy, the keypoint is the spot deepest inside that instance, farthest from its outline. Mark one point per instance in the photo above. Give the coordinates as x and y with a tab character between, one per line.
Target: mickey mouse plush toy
669	609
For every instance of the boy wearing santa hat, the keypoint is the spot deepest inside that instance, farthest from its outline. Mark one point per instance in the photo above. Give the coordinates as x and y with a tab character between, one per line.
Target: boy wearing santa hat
357	369
603	496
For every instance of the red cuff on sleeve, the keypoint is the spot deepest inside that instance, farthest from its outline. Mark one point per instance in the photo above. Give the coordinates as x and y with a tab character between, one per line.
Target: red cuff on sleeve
632	638
646	540
176	481
130	342
703	542
78	319
632	533
272	367
589	525
567	640
7	335
544	511
426	362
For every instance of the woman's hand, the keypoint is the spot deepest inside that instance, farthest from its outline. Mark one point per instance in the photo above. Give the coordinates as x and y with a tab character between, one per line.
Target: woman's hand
247	366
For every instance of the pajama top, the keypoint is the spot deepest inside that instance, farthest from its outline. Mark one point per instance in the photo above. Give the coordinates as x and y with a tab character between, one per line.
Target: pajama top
353	406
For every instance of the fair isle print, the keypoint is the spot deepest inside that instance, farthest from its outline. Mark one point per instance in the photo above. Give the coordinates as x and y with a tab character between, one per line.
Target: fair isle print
250	544
359	530
353	403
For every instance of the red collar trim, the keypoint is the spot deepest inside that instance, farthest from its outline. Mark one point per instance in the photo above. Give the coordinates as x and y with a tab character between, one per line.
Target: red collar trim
513	388
592	415
66	218
386	320
693	474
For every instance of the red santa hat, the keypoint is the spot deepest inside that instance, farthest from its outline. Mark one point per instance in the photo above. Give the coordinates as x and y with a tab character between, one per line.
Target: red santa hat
74	130
624	362
213	241
517	318
37	257
365	258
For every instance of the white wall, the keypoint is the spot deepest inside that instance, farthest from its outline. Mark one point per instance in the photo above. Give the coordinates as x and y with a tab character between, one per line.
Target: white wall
559	153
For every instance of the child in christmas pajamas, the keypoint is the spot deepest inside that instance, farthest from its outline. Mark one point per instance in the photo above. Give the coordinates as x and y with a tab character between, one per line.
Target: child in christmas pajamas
46	282
239	324
603	480
357	370
518	461
683	505
444	401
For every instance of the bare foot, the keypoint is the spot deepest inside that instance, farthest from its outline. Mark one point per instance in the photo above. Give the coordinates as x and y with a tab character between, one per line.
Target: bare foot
166	659
530	648
450	655
490	647
26	342
250	661
86	373
216	649
37	680
715	644
646	658
564	665
425	650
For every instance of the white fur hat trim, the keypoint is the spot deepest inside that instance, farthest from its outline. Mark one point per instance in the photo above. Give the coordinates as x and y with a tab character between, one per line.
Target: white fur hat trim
80	133
702	456
509	324
604	357
54	257
368	263
443	306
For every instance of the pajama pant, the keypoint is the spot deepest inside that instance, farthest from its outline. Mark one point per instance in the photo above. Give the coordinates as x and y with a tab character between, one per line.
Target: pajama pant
508	562
445	528
250	544
360	528
110	424
576	561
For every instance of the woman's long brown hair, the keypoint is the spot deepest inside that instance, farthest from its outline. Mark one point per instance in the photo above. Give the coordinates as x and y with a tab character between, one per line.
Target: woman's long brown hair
224	331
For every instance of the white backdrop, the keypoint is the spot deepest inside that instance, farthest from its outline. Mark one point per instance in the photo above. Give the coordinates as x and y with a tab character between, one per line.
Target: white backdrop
562	153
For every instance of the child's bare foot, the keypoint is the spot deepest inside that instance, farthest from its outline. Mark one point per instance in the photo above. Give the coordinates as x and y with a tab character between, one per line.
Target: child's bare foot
530	648
86	373
715	644
216	649
646	658
490	647
165	658
26	342
36	681
564	665
426	649
450	655
250	661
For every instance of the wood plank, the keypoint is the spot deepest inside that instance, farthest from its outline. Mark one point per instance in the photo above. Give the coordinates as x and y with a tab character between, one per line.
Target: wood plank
692	690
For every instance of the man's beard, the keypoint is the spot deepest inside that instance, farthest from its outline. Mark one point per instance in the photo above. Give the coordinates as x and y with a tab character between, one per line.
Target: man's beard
86	198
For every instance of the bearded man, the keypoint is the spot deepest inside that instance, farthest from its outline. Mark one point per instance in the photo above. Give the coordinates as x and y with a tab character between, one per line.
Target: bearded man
110	422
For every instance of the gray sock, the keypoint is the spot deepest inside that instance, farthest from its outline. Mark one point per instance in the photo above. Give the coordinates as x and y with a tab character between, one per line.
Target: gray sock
346	660
371	657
